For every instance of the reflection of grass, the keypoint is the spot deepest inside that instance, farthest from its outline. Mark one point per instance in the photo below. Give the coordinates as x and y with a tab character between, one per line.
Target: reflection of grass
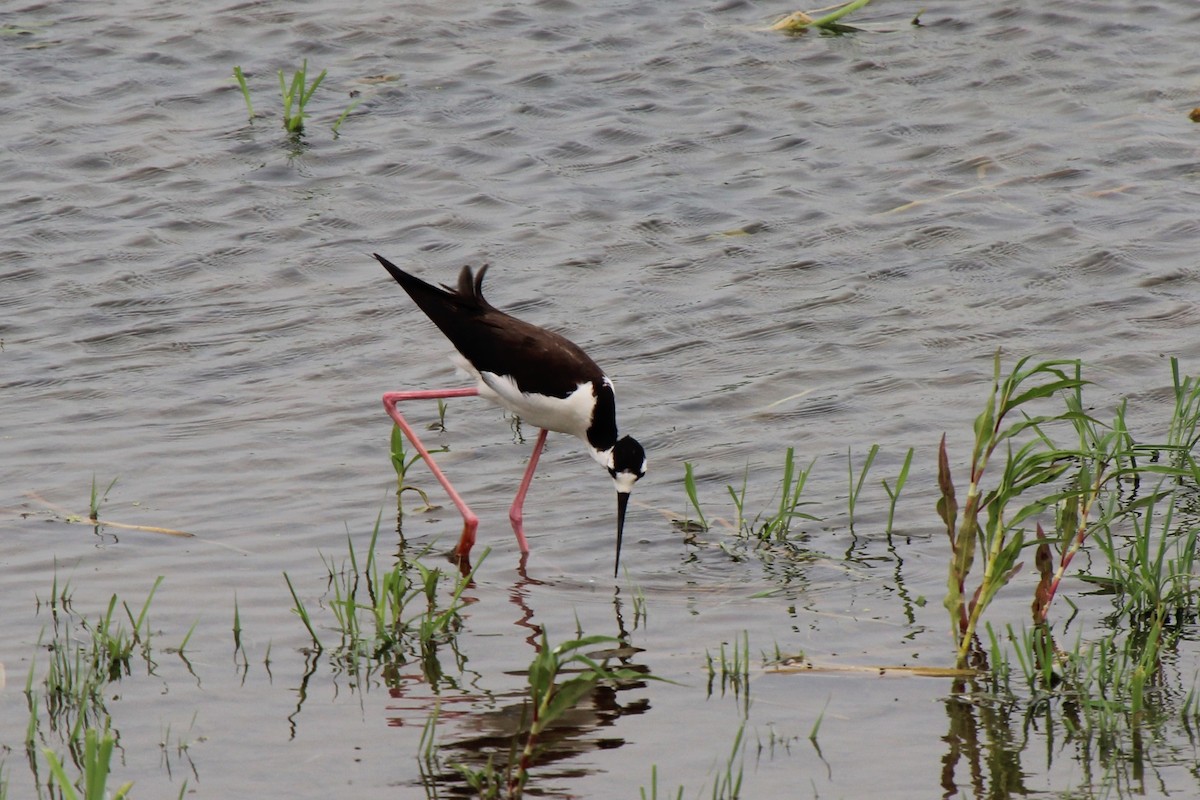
733	668
559	678
550	697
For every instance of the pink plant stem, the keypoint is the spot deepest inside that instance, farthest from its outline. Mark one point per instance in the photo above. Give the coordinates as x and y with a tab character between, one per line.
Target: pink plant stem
470	520
1064	562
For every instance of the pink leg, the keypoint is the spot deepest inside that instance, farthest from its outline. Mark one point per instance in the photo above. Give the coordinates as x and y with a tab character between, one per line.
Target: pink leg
470	520
516	513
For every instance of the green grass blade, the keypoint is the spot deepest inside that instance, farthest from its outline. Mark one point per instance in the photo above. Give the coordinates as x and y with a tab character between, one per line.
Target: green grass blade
241	79
689	485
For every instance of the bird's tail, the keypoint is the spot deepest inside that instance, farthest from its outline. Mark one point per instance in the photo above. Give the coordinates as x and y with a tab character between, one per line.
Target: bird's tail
442	304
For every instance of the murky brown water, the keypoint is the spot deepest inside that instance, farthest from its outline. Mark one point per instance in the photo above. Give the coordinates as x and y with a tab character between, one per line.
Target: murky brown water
723	216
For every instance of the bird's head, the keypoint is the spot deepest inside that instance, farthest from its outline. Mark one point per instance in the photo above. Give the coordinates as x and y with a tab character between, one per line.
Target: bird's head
626	465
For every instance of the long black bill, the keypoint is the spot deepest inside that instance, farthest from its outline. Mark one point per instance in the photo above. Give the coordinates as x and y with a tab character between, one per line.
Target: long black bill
622	502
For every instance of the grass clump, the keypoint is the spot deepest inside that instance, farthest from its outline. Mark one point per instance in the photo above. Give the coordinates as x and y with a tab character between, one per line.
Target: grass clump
1129	503
294	97
732	666
67	704
98	499
386	615
776	525
84	657
97	758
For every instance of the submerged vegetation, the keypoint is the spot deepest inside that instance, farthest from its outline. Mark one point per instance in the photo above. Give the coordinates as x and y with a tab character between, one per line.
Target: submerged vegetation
386	617
1045	481
97	758
1045	496
801	21
67	705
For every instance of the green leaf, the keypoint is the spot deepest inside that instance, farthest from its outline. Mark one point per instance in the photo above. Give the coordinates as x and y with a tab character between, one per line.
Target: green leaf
569	693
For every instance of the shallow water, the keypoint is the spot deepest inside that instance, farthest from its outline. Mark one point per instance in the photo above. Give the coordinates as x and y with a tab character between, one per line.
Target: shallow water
768	241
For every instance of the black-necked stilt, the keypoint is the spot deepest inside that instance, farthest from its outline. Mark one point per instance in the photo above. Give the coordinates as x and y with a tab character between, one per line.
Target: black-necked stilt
536	374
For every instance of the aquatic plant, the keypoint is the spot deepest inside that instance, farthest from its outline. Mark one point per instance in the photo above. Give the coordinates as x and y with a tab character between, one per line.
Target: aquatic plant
856	487
81	665
401	463
1152	569
550	697
1000	538
689	487
732	666
295	96
1121	498
778	525
239	650
765	526
727	783
98	499
241	79
385	615
893	493
337	125
641	615
66	697
654	786
799	21
96	765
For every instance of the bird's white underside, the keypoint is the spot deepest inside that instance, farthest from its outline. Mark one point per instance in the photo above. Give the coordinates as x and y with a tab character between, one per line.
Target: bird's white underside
572	414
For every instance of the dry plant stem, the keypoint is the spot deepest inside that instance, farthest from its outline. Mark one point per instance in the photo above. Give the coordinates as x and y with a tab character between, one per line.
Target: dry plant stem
69	517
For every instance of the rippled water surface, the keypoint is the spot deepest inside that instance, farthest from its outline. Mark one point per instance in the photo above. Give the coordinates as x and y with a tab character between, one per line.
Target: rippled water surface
767	241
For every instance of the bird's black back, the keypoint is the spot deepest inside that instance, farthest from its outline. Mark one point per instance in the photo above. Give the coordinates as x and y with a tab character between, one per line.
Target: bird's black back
539	360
